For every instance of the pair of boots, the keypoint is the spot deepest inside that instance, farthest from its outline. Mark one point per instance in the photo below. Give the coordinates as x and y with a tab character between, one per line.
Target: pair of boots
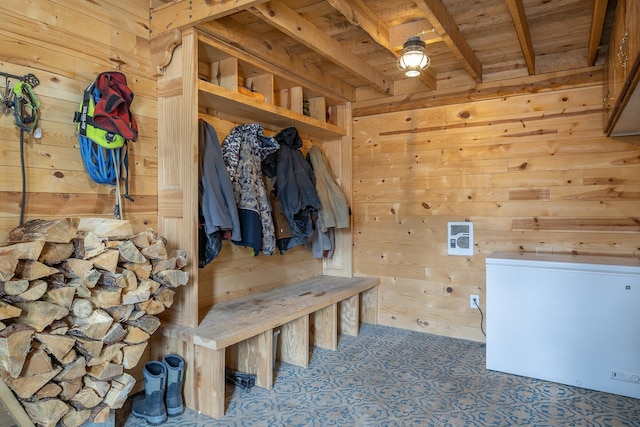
162	390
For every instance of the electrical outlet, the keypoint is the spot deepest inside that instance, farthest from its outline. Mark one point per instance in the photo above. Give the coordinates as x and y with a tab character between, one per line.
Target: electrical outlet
477	301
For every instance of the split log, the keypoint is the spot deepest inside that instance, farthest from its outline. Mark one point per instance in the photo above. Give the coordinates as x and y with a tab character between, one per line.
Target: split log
37	362
40	314
58	327
110	353
15	342
141	269
147	323
106	371
102	297
48	391
75	417
32	270
120	389
100	387
73	371
46	413
172	278
69	357
26	387
62	296
55	231
130	253
57	345
163	264
157	250
86	398
78	247
165	296
105	227
8	265
94	326
55	253
100	414
34	292
112	280
8	311
142	293
69	388
115	334
151	306
74	268
13	287
132	354
141	240
81	308
81	290
136	314
89	348
24	250
120	313
181	258
136	335
93	246
107	260
130	278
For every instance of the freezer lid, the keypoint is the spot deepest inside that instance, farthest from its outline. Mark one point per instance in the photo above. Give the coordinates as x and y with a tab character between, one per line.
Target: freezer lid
567	261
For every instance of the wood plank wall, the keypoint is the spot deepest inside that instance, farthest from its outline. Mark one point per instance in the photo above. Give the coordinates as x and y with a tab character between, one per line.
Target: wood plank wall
532	171
66	44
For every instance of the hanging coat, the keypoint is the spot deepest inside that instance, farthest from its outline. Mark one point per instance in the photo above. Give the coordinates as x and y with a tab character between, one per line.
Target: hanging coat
243	151
295	186
218	211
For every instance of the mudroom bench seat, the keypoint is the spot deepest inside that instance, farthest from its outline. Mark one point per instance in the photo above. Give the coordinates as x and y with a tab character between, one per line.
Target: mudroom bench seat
239	334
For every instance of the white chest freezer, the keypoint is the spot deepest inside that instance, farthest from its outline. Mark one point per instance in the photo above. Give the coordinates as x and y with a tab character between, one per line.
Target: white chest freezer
570	319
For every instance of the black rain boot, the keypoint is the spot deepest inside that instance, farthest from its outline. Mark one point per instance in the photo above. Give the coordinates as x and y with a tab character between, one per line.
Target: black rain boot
175	375
151	406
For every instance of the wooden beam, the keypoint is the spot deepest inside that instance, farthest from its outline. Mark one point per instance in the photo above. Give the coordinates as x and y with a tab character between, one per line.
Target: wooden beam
188	13
252	47
595	32
358	14
516	8
443	22
292	24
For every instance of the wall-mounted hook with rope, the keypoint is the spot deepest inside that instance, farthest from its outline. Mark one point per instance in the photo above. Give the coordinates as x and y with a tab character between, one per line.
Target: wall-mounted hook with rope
25	106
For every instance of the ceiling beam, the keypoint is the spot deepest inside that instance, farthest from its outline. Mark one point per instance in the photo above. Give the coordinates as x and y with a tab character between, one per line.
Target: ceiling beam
187	13
516	8
295	26
595	32
443	22
359	15
257	47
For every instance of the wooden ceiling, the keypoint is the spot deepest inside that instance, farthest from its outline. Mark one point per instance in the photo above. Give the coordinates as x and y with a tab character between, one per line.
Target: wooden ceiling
353	44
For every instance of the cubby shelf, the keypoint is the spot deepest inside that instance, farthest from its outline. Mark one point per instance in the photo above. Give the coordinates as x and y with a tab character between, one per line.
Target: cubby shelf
218	98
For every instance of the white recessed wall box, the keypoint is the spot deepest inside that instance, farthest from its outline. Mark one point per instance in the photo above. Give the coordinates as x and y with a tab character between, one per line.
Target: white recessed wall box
460	238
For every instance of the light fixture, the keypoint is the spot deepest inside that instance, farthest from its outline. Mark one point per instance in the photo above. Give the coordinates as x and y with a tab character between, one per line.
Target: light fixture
413	58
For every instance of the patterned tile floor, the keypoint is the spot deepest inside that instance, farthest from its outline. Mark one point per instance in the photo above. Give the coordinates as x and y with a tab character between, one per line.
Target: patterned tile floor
392	377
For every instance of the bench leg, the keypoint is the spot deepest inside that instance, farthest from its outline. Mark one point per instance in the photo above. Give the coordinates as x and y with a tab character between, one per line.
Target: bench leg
369	306
294	342
350	315
325	327
210	381
255	356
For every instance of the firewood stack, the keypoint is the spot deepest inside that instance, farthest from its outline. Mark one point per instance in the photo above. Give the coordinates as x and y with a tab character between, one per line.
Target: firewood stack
78	304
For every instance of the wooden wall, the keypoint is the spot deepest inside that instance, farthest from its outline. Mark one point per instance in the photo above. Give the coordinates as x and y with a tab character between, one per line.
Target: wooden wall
532	171
66	46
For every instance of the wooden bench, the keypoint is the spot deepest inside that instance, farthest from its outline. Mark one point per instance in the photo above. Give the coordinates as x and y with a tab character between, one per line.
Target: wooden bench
239	334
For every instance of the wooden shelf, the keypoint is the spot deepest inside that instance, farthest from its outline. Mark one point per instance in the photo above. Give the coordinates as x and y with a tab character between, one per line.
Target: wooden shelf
217	98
